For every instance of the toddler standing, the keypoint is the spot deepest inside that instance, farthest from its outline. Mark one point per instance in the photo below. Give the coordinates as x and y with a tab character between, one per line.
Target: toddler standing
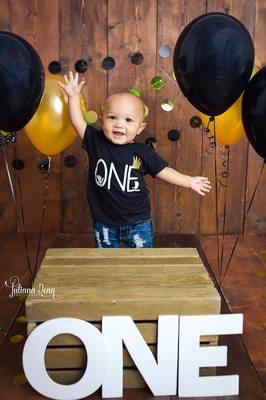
116	192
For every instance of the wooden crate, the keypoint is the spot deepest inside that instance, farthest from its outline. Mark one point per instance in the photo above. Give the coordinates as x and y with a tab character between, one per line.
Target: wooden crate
142	283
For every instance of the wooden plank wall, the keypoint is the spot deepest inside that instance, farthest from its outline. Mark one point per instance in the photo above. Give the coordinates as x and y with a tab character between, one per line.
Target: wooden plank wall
68	30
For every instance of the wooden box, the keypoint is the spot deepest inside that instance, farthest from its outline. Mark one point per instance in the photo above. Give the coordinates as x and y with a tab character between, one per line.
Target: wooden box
141	283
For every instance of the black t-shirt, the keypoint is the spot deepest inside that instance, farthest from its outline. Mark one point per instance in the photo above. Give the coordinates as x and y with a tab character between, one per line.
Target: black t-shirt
116	191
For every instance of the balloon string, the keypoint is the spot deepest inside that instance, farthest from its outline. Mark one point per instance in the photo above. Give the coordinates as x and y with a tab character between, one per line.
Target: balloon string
216	195
226	165
43	214
9	175
245	218
22	224
201	172
212	140
253	195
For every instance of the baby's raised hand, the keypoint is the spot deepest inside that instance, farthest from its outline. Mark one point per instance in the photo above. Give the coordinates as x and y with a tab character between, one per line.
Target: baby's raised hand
200	184
72	85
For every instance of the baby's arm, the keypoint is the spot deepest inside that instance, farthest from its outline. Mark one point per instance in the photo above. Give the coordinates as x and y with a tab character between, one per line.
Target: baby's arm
198	183
73	88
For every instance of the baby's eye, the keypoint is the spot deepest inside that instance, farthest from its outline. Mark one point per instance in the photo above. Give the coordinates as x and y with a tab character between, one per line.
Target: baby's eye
111	117
129	120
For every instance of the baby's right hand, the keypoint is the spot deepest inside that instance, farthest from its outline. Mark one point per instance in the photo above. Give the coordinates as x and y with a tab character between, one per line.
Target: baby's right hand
72	86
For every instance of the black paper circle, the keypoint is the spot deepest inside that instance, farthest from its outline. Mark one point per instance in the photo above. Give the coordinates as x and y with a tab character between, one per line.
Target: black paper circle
195	122
136	58
108	63
70	161
54	67
81	66
44	164
151	142
173	135
18	164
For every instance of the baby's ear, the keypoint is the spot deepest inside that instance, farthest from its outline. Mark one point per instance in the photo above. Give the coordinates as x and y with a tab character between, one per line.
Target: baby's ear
141	127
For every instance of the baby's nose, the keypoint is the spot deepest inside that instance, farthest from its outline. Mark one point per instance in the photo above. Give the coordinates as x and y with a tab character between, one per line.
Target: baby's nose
118	124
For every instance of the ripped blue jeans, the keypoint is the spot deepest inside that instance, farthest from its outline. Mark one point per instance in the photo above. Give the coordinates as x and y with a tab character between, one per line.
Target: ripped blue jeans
139	234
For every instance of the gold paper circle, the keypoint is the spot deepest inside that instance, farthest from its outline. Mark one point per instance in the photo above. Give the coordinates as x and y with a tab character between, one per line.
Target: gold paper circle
22	319
146	111
16	338
20	379
90	116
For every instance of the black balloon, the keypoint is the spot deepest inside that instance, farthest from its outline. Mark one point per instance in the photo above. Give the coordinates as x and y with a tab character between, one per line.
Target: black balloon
21	82
254	112
213	61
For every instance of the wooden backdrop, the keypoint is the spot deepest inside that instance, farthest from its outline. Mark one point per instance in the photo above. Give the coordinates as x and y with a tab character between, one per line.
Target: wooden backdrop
68	30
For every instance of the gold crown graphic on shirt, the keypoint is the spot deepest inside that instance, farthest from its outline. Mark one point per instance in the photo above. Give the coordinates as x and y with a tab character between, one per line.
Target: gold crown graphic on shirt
136	162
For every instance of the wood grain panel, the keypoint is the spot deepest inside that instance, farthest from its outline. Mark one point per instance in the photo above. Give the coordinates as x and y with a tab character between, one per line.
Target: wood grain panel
37	23
133	29
177	208
82	36
71	30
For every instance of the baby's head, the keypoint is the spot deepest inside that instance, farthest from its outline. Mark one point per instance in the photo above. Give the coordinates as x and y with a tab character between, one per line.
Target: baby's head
122	117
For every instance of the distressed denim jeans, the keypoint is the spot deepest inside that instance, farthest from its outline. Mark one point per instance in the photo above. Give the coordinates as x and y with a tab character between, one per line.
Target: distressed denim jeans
139	234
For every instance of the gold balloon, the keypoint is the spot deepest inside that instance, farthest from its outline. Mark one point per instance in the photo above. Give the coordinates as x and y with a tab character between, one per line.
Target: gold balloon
50	130
228	126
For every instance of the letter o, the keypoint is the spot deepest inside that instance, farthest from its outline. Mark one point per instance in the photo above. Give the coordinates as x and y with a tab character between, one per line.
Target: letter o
34	366
105	172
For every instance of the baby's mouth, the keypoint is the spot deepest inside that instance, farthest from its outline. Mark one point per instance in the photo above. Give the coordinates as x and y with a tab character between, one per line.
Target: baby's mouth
118	134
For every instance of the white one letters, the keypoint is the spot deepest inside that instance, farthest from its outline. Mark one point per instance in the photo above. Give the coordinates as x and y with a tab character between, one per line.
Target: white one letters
110	174
105	356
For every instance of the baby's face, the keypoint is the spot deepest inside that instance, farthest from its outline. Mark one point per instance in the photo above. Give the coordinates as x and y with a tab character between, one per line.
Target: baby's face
122	118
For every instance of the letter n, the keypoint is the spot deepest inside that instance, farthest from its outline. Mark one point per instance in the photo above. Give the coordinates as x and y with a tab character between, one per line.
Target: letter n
160	376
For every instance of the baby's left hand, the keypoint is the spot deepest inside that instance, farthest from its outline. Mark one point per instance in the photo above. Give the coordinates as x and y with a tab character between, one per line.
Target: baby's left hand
200	184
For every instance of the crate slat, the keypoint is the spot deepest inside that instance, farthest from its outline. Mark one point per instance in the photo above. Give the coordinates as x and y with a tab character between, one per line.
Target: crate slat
125	254
107	275
147	329
132	379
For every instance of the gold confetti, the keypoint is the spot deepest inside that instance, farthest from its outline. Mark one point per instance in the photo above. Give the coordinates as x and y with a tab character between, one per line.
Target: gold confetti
16	338
21	319
263	296
102	105
146	111
263	251
22	299
20	379
264	325
260	273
